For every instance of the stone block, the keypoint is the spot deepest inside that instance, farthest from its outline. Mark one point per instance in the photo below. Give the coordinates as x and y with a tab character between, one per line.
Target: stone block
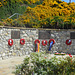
25	34
3	54
30	39
21	48
28	44
1	58
10	53
52	35
26	53
13	53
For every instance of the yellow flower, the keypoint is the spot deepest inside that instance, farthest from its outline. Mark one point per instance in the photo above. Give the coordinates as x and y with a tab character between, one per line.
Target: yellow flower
66	20
5	3
1	4
55	2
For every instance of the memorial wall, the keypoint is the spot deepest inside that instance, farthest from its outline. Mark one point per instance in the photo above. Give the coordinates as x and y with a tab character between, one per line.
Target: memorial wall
21	41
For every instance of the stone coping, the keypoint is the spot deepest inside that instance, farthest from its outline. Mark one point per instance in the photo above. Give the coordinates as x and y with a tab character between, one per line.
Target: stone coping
8	27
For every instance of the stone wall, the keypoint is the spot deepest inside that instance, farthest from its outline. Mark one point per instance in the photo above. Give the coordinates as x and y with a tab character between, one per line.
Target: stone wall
30	35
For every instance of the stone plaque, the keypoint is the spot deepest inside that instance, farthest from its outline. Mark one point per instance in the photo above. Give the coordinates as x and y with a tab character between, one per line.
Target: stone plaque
72	35
15	34
44	34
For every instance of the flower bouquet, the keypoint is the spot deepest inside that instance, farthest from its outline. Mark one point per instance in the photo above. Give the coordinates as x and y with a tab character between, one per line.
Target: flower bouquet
59	53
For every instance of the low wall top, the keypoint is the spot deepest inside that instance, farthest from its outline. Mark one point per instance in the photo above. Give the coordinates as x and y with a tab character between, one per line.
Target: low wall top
8	27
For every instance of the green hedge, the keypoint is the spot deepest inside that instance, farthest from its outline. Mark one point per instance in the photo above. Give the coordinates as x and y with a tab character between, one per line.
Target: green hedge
40	64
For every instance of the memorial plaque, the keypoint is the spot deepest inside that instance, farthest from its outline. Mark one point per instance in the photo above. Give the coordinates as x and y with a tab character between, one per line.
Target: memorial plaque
15	34
44	34
72	35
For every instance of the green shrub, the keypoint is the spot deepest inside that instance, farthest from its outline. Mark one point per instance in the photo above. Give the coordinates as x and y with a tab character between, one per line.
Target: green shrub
10	9
41	64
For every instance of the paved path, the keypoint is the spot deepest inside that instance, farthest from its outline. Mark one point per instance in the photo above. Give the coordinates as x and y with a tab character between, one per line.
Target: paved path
8	66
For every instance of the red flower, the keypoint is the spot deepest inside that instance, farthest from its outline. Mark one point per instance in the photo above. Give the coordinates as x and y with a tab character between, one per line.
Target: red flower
45	57
70	55
56	53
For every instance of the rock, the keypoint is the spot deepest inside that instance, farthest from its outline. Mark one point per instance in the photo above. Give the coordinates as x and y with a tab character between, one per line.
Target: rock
54	51
58	43
26	48
25	34
30	39
31	48
30	51
27	31
27	38
56	48
13	53
52	35
32	36
10	53
35	38
3	54
0	44
21	48
6	34
26	53
23	52
28	44
11	50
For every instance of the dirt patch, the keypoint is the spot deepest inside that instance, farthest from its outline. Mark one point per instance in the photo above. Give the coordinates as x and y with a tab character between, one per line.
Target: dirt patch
8	66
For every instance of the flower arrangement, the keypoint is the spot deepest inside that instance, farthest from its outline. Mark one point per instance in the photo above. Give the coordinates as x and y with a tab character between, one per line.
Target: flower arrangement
59	53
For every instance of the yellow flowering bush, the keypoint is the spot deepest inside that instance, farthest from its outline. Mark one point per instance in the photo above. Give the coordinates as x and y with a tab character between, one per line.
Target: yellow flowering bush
1	24
7	21
4	2
26	21
45	11
48	9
